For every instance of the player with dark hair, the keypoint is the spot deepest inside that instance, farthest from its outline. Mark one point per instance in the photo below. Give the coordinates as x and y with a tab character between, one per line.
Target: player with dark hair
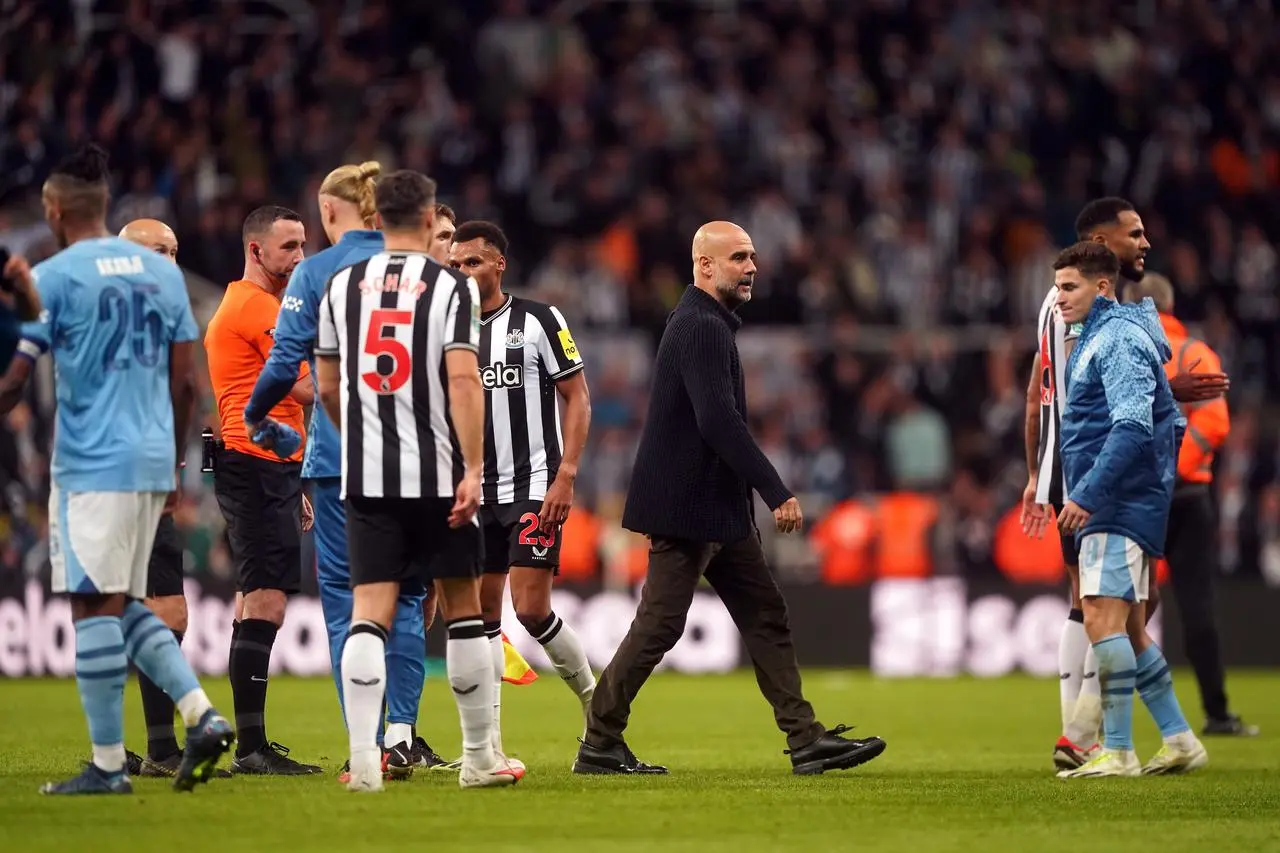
397	371
1114	223
528	359
259	491
1121	430
348	215
118	322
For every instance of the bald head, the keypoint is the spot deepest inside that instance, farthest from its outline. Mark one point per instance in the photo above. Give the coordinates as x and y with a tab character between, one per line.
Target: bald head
153	234
724	262
1159	288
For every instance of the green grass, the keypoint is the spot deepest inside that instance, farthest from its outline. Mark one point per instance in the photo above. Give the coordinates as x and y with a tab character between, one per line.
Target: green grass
967	768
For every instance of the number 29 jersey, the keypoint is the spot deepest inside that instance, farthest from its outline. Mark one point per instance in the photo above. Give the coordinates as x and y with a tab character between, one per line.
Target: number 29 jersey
526	348
389	320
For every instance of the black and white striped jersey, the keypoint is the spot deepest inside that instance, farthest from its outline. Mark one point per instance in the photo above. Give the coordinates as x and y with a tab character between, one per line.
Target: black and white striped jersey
525	349
390	320
1052	339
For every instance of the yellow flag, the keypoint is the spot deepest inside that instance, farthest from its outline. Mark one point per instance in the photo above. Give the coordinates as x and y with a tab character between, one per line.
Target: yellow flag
516	669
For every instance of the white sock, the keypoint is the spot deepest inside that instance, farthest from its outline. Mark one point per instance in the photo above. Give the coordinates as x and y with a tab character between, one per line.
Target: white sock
565	651
192	707
1073	645
499	662
1086	718
109	759
364	677
470	669
397	733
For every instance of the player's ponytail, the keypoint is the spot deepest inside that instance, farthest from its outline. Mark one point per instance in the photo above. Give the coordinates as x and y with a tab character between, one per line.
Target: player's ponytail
355	184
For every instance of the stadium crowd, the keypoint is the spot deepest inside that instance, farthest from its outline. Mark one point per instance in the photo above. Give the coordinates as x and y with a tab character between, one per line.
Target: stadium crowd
906	169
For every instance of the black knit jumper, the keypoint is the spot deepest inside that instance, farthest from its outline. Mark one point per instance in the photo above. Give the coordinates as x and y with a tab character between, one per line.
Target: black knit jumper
697	463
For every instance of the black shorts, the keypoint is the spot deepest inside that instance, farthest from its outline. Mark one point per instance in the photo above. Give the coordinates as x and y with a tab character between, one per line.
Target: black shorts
164	572
409	540
261	501
512	538
1070	551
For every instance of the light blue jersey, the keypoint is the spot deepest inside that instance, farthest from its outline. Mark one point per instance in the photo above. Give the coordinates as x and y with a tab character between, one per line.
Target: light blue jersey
111	310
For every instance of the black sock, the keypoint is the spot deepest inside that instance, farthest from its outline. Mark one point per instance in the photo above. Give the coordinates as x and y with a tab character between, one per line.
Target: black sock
250	659
235	632
158	710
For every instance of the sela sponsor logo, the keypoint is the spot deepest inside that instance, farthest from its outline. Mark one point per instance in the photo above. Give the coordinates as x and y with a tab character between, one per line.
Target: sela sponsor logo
292	303
932	628
37	638
500	376
515	338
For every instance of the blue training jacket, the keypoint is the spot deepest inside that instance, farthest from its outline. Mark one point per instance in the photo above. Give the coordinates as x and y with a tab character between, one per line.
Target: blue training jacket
295	338
1121	428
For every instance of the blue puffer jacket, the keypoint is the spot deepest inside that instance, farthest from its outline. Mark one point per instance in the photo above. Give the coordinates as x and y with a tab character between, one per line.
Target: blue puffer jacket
1121	428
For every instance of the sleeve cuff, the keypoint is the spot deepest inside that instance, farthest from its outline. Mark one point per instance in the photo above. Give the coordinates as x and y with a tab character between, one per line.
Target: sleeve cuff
30	349
565	374
466	346
326	351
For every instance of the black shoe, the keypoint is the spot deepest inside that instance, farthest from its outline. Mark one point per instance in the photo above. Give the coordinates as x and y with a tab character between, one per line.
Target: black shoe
617	760
397	762
132	763
1229	725
167	767
833	752
271	760
428	759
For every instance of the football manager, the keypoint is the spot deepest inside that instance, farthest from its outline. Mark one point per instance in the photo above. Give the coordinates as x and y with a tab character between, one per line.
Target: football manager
690	493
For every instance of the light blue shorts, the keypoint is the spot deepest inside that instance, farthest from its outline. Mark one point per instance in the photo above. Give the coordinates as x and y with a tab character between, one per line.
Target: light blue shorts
1113	566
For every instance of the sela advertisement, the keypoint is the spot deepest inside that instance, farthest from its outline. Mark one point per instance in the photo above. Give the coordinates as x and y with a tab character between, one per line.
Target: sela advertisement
940	628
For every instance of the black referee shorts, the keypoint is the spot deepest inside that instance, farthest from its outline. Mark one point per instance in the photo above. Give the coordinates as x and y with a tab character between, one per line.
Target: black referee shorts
512	538
261	501
1070	551
409	540
164	572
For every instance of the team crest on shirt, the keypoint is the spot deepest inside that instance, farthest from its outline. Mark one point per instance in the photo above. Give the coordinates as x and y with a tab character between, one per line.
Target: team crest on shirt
515	338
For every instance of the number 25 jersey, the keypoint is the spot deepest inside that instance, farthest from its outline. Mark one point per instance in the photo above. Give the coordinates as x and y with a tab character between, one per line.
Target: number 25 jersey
110	311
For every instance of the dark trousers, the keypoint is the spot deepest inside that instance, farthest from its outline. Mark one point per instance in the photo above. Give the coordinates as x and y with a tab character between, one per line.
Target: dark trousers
1191	548
738	573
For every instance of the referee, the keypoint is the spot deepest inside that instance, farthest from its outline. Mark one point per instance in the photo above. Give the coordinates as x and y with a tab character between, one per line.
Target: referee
260	496
695	470
1191	547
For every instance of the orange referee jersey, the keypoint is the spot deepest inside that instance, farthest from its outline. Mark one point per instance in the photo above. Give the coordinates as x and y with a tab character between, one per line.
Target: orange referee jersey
1209	421
237	343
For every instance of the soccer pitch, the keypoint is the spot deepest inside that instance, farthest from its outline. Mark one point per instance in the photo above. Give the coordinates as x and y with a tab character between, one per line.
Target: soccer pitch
968	768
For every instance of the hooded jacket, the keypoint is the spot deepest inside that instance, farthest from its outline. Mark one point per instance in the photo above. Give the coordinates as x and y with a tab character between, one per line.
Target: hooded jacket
1121	428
